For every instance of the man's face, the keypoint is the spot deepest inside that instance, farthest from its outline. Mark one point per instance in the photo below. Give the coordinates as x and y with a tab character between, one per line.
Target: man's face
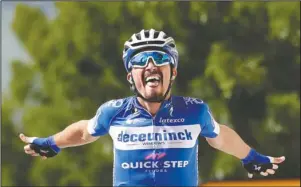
152	81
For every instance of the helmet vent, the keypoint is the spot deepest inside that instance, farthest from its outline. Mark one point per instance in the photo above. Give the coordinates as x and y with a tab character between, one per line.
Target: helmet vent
138	36
172	45
156	34
148	42
146	33
126	48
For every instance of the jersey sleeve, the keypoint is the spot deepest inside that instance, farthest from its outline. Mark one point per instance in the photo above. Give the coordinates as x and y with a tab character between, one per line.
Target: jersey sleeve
209	127
97	125
100	124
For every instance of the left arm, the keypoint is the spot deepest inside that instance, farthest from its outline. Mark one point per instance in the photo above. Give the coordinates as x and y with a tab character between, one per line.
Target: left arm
229	142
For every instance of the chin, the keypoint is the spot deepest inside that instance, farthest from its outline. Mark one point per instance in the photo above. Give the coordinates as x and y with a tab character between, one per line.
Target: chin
154	96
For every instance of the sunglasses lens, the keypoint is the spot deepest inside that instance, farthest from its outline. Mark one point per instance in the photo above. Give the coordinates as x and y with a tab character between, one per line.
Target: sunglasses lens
159	59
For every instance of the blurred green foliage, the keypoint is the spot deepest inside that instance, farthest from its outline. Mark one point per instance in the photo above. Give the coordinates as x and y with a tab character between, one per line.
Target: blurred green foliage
242	58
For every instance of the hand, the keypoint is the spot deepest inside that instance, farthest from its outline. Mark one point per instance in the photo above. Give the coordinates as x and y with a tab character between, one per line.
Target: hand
44	147
256	163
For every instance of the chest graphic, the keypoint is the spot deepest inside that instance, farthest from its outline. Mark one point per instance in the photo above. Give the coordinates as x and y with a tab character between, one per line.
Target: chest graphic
148	137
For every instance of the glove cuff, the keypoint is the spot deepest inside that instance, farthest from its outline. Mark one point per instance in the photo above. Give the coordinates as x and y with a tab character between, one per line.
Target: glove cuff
50	141
250	157
255	157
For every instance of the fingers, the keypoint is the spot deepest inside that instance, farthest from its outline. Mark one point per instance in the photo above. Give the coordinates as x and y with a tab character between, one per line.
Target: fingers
29	151
27	148
264	173
270	171
275	166
26	139
23	138
250	175
32	153
267	172
277	160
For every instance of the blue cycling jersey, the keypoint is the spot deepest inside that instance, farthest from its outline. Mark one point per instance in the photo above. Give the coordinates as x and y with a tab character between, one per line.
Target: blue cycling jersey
160	150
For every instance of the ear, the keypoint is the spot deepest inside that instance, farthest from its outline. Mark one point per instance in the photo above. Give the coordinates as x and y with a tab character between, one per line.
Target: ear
174	74
129	78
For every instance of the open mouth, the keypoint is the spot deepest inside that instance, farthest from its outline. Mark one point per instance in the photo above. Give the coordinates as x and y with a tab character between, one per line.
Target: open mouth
153	80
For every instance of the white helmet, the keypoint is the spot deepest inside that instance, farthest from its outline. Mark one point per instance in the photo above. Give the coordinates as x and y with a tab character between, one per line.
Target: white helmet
149	40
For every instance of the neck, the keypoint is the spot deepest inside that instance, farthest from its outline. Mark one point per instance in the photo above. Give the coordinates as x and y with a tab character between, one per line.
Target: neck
151	107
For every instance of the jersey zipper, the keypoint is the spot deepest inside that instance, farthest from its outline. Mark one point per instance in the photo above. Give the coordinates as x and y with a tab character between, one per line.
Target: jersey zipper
154	146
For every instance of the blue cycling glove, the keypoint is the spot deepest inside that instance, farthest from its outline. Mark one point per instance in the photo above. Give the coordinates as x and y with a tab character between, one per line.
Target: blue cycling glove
256	162
45	146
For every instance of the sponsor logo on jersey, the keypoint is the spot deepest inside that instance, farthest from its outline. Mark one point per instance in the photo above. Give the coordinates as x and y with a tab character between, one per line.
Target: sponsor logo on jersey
153	163
149	137
115	103
257	168
171	111
158	136
189	100
154	156
178	120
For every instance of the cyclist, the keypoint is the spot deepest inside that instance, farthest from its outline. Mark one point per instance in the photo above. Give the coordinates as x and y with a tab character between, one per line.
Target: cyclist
154	133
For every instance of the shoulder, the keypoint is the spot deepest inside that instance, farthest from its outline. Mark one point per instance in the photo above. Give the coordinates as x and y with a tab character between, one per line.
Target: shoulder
100	123
190	103
111	107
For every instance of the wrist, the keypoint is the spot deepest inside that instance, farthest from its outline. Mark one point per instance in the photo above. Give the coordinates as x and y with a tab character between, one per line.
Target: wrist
50	142
250	157
254	156
47	142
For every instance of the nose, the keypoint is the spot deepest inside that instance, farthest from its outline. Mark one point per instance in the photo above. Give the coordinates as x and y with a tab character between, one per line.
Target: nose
150	64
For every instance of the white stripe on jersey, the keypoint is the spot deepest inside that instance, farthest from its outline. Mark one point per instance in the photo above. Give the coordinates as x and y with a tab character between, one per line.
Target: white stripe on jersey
149	137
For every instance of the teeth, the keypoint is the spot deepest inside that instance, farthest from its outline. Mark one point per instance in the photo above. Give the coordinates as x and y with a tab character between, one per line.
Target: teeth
157	78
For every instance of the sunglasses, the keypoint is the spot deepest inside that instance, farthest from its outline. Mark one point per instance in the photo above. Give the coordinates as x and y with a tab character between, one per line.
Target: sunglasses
159	58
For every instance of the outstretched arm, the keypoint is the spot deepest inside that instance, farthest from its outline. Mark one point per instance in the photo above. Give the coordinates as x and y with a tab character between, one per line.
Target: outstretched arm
231	143
75	134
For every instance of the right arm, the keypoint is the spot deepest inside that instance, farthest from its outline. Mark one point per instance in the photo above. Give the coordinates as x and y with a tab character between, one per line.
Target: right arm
84	131
75	134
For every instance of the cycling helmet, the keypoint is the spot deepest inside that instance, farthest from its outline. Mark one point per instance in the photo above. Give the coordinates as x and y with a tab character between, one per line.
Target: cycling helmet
149	40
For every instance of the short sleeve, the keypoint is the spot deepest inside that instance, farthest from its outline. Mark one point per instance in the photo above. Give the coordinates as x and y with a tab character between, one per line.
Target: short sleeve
100	124
209	127
97	125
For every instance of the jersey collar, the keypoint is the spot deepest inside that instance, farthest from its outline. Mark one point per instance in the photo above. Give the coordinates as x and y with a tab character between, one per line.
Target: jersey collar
166	103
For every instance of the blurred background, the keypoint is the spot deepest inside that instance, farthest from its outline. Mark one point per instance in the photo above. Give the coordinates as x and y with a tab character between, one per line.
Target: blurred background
62	60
